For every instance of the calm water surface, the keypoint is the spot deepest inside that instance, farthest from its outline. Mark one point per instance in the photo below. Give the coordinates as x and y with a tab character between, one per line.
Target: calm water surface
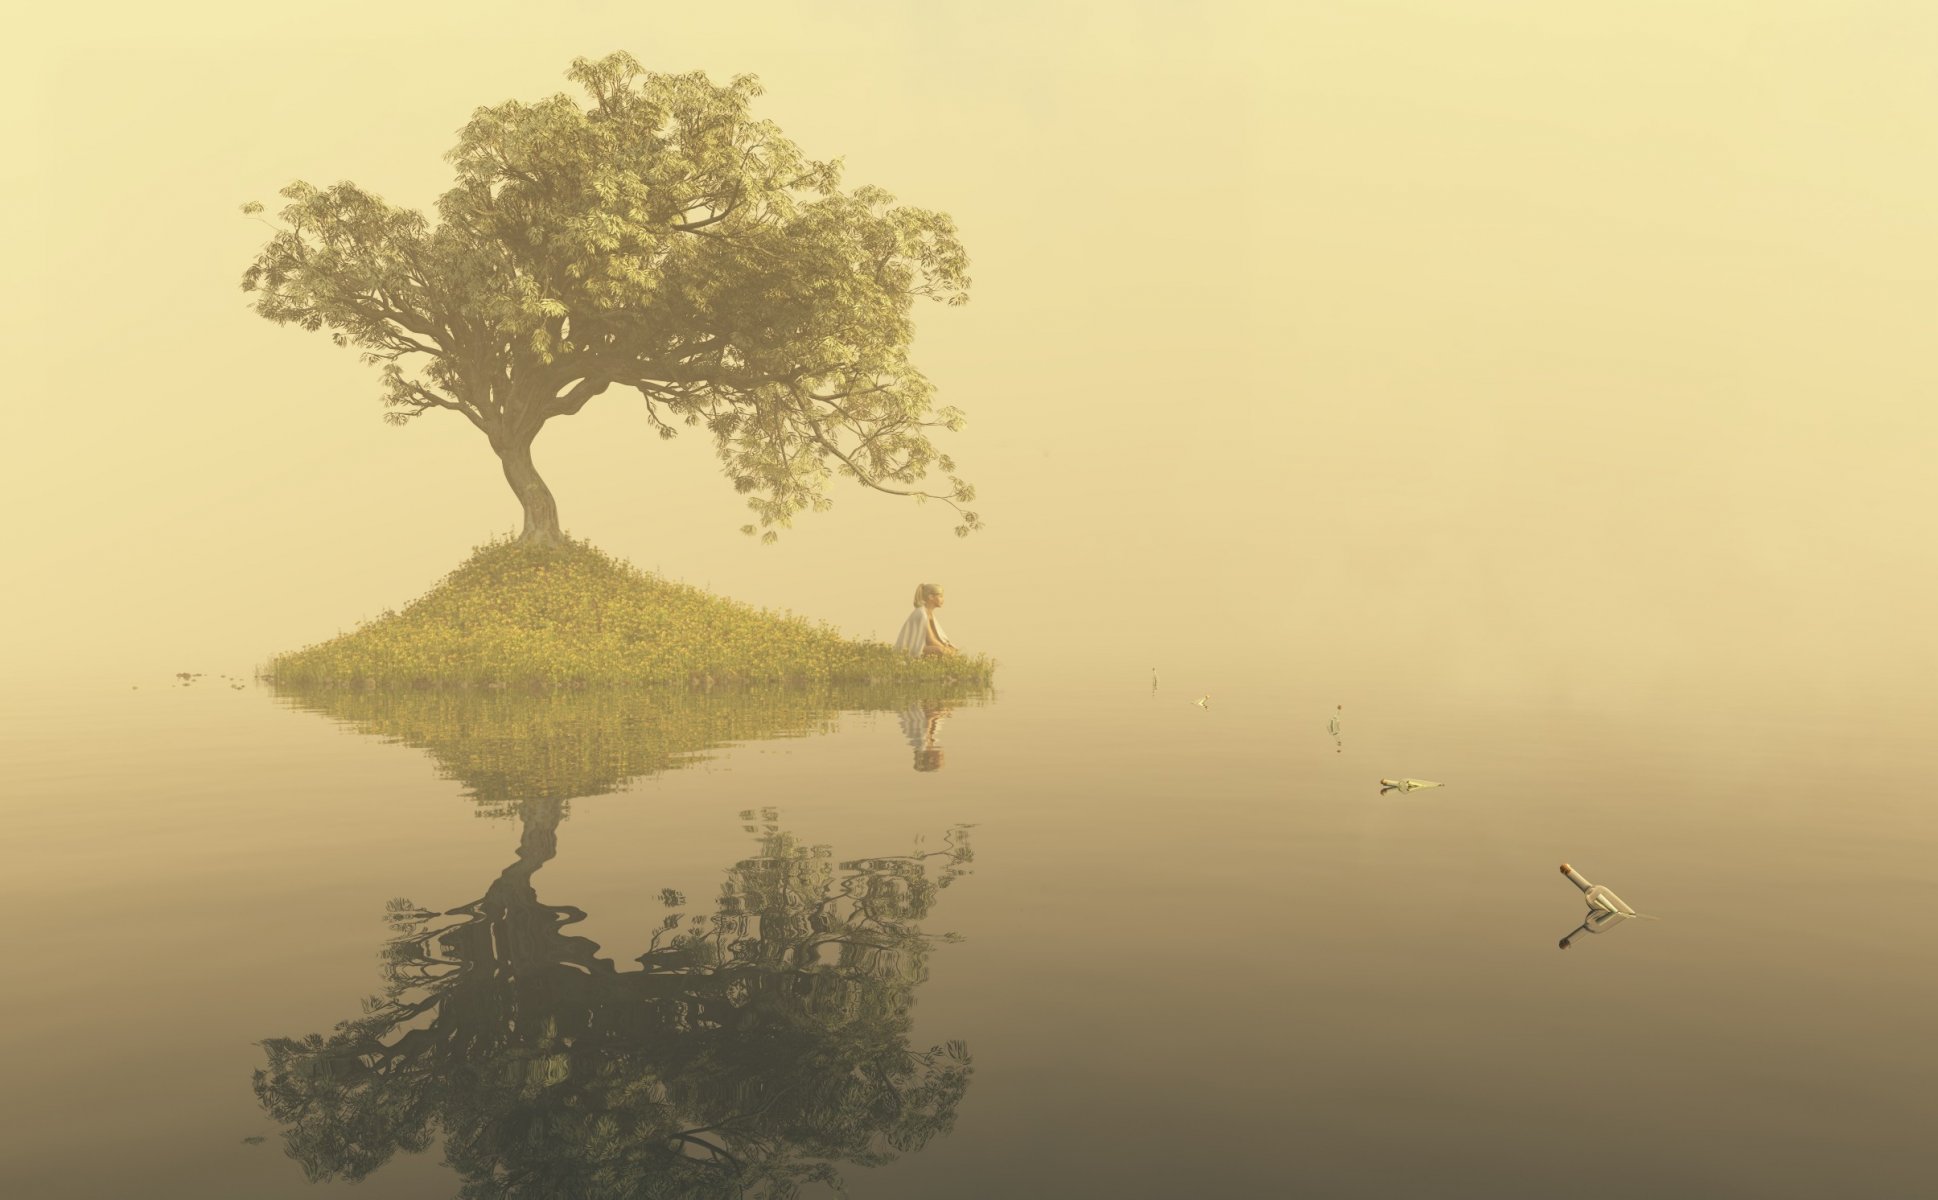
1081	939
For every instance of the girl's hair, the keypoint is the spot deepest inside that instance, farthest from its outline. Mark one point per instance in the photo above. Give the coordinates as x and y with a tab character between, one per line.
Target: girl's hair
924	590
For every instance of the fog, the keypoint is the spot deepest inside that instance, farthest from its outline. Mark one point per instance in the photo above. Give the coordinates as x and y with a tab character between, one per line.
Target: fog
1515	345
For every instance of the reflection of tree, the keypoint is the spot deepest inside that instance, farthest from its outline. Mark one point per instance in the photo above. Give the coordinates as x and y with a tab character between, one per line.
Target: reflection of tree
507	747
753	1050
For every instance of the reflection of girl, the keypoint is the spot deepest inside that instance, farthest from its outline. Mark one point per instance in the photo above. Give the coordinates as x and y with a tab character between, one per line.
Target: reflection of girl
920	723
920	634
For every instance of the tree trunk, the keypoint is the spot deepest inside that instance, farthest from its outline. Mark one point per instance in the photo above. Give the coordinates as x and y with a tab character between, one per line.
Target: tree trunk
541	511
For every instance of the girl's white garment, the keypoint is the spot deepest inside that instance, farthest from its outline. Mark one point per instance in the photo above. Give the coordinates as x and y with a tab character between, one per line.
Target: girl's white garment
914	638
919	726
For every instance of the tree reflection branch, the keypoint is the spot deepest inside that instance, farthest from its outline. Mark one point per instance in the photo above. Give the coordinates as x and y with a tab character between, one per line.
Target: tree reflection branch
744	1058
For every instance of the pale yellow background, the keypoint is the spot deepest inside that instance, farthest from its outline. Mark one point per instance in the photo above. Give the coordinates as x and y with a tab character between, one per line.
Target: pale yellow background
1554	345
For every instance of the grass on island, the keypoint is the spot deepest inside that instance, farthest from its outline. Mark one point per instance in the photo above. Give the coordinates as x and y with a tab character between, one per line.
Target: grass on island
570	616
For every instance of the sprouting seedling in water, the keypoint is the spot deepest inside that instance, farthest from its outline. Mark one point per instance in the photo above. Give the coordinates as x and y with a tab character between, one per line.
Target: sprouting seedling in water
1203	701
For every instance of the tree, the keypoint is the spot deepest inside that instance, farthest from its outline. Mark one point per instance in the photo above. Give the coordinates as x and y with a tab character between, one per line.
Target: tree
658	239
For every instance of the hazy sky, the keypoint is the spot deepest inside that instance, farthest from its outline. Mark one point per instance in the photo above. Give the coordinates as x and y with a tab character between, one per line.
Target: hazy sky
1478	337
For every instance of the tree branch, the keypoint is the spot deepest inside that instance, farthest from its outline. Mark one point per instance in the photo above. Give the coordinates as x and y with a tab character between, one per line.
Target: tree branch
716	1150
715	219
575	399
821	439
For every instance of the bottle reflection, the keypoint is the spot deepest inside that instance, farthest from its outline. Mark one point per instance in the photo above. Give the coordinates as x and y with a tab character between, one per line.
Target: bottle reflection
755	1047
1597	921
920	724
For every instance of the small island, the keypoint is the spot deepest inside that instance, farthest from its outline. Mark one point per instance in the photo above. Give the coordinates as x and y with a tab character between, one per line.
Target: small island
654	238
561	615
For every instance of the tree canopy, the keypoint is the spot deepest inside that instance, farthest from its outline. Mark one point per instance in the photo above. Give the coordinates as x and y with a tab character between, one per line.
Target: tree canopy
656	238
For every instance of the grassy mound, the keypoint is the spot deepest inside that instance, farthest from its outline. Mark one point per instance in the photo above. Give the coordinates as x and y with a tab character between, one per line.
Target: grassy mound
569	616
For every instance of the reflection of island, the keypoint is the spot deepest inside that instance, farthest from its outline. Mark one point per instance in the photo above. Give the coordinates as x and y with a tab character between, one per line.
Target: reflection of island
755	1047
509	747
920	724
